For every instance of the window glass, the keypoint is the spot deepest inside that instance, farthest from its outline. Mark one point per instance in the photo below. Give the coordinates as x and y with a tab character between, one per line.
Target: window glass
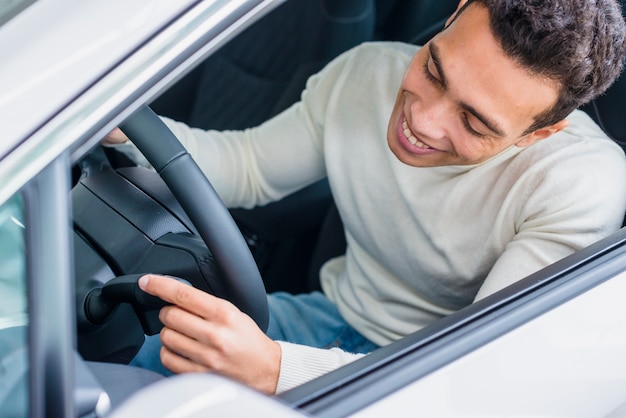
13	311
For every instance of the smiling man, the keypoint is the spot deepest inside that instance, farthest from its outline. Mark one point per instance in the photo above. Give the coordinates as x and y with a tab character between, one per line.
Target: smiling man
483	174
464	100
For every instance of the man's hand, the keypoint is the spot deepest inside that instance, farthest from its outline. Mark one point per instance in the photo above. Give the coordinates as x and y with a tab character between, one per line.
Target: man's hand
116	136
205	333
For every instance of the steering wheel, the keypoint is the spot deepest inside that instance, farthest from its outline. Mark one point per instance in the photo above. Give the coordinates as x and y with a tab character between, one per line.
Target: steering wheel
204	208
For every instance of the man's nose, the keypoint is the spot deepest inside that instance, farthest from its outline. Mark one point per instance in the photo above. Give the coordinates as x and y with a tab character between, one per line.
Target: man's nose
431	118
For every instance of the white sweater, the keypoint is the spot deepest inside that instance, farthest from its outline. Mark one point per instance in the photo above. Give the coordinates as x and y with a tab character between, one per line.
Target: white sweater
422	242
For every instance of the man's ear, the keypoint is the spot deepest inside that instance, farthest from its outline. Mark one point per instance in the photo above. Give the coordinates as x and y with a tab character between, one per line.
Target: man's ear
458	8
542	133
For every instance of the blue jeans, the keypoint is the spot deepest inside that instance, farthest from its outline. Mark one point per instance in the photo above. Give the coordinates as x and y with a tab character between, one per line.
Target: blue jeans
309	319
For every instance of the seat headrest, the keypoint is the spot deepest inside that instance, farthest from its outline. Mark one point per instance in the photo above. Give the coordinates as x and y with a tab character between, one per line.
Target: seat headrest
609	111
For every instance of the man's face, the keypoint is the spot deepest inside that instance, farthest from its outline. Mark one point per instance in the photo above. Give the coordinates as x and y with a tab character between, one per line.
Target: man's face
462	100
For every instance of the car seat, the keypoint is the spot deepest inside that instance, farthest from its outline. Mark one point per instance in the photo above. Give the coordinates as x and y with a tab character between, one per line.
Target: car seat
245	82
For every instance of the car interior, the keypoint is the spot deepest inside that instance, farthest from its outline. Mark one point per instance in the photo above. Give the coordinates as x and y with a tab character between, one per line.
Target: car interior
255	76
268	66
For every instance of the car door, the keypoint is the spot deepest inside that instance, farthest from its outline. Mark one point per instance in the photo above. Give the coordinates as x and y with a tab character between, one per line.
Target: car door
549	345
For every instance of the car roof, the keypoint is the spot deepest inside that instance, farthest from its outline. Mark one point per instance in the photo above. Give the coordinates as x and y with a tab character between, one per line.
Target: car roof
75	43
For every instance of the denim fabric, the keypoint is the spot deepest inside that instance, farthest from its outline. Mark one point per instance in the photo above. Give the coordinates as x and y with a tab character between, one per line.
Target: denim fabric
148	356
309	319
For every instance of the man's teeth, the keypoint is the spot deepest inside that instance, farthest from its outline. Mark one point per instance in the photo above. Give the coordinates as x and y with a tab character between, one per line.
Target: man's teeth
411	137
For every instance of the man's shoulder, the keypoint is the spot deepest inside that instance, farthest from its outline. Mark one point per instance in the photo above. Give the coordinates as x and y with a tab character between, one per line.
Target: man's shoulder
384	49
583	128
578	171
392	47
378	65
371	59
583	139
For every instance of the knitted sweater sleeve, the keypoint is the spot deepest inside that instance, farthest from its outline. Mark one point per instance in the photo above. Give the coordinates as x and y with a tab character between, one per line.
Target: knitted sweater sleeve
318	361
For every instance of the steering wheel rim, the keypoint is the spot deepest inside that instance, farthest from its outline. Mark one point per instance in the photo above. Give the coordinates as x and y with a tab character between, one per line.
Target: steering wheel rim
204	208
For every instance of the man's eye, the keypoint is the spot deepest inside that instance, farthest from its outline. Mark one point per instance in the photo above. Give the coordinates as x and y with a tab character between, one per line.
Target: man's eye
430	75
469	128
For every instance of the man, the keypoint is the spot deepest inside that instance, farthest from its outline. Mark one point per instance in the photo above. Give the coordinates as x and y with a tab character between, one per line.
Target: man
484	177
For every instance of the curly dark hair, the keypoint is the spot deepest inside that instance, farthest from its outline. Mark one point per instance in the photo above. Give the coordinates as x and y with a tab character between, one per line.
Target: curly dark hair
579	44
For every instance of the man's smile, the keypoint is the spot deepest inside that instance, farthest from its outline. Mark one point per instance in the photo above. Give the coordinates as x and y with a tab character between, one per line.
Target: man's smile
410	141
411	137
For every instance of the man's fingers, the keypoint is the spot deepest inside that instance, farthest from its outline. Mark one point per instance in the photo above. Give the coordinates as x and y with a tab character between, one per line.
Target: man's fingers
172	291
178	363
187	323
116	136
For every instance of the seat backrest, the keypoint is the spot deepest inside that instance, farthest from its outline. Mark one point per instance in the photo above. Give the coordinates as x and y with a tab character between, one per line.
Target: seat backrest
401	20
609	111
242	84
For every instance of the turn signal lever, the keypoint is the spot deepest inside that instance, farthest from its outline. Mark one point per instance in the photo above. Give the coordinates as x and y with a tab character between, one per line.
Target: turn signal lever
102	301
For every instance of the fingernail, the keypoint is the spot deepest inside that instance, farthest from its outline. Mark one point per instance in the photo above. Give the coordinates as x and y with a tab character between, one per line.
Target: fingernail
143	281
